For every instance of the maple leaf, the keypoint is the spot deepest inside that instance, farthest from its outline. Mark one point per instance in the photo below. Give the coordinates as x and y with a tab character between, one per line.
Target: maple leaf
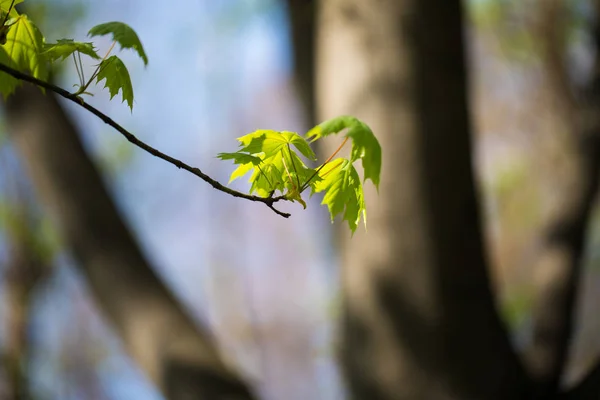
122	34
344	192
63	48
24	43
117	78
274	164
5	4
365	146
8	84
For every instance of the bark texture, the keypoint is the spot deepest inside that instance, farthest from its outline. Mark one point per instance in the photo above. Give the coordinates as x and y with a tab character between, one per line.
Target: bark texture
419	317
302	21
562	245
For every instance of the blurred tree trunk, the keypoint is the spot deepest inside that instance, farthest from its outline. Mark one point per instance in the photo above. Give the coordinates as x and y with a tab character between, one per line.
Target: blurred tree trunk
419	315
576	180
178	356
302	22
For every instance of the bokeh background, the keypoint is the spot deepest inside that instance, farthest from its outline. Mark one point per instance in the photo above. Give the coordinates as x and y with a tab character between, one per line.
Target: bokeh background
266	286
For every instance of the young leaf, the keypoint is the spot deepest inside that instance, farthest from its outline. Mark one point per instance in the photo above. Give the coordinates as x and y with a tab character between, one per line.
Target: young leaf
267	178
5	4
344	192
8	84
63	48
300	143
240	158
271	142
117	78
24	43
122	34
275	166
299	173
246	161
365	146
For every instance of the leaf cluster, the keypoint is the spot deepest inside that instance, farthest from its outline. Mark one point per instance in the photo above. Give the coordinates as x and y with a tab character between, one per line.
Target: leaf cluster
24	48
275	161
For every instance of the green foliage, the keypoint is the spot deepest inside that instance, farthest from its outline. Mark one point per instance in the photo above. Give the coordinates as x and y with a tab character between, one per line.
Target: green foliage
365	146
5	5
117	78
7	83
275	160
24	48
277	168
63	48
343	192
24	45
122	34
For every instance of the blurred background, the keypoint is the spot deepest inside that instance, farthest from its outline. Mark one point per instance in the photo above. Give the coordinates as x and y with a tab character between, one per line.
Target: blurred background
267	287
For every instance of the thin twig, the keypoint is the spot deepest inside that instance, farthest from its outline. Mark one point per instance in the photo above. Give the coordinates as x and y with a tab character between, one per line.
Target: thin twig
97	71
81	67
305	185
269	201
79	74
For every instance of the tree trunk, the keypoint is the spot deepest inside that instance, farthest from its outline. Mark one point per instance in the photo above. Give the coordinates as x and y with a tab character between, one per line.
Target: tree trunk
419	315
302	24
560	258
178	356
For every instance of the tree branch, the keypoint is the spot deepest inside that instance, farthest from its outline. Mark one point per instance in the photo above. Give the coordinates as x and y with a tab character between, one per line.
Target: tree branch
269	201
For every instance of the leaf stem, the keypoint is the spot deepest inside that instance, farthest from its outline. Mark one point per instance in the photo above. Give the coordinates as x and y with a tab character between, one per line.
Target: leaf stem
305	185
265	175
294	166
97	71
286	170
81	66
12	3
79	72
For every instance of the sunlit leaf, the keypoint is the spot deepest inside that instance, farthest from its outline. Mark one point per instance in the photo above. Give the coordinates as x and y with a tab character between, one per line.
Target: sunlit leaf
270	142
344	192
275	166
365	146
63	48
5	5
8	84
24	43
240	158
122	34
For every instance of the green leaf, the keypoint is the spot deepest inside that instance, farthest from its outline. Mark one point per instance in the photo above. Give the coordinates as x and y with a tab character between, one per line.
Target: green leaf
300	143
274	164
247	162
122	34
365	146
344	192
267	178
240	171
8	84
117	78
63	48
5	4
240	158
24	43
299	173
271	142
